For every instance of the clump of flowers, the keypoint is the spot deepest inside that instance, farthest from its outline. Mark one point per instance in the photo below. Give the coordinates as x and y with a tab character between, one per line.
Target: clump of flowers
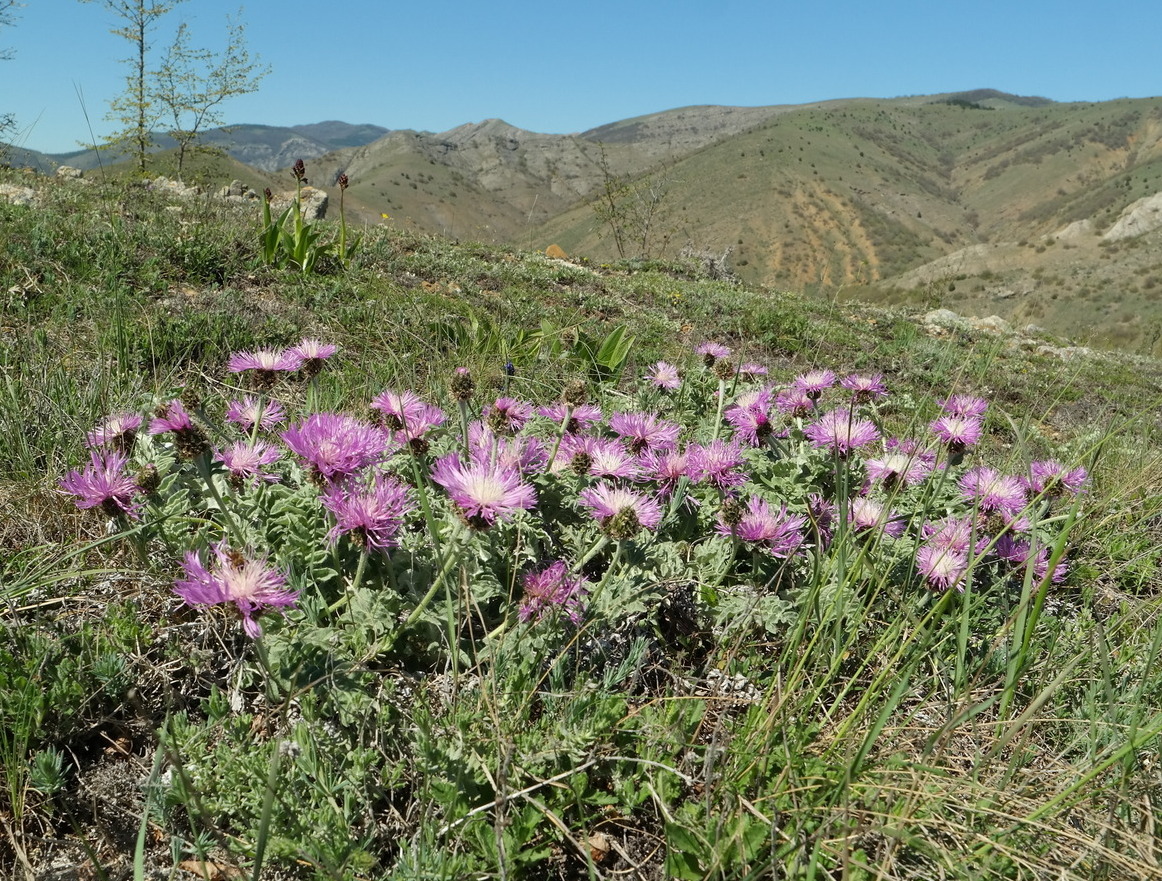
248	582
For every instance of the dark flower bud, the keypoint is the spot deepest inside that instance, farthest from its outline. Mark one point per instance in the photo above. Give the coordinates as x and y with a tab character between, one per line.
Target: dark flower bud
148	479
723	369
575	393
462	384
343	181
299	170
268	195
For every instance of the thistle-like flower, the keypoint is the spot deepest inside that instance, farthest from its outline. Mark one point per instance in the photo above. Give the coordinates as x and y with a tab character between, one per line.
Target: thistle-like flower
246	462
118	431
264	365
103	483
190	440
665	376
620	511
311	355
248	582
370	514
483	492
840	432
644	431
718	464
779	533
249	411
553	589
335	445
814	383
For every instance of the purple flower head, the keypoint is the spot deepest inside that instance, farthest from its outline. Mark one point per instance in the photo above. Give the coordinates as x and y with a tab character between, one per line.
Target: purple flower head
264	364
644	431
369	513
406	411
246	462
795	402
942	567
750	417
1051	478
527	454
596	456
965	405
992	492
864	388
711	352
484	492
814	383
581	416
840	432
665	468
1019	554
750	370
909	466
249	583
335	446
508	415
118	431
960	534
189	439
553	589
622	512
778	533
310	355
867	515
718	464
664	375
171	417
103	483
821	514
958	433
250	410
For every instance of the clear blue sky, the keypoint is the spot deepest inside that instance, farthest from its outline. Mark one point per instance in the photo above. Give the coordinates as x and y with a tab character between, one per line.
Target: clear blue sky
565	67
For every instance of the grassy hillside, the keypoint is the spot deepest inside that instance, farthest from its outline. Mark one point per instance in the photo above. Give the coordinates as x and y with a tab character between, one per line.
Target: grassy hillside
733	619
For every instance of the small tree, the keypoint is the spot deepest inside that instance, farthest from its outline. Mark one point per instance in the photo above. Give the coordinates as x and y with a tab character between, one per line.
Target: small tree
192	84
135	109
636	211
7	120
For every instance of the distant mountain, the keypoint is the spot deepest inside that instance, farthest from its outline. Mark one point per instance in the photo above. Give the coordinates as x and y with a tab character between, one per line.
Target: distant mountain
981	200
266	147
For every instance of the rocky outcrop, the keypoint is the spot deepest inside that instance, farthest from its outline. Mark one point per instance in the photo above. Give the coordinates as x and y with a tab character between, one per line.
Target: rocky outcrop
943	322
1138	218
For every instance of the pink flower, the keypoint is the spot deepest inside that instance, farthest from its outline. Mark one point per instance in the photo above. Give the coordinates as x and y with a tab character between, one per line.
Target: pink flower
552	588
776	532
864	388
246	462
909	466
527	454
335	445
597	456
718	463
664	375
795	401
250	584
263	361
508	415
310	355
580	417
1050	477
993	492
405	411
868	515
370	513
840	432
188	438
118	431
644	431
814	382
750	418
965	405
711	352
665	468
943	567
250	410
622	512
103	483
484	492
958	433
